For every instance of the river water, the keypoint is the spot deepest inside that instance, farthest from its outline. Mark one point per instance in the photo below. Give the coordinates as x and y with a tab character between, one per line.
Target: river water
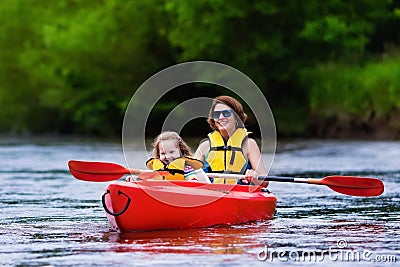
48	218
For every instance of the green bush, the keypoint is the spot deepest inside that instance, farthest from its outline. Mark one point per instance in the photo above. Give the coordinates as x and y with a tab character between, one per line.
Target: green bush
339	88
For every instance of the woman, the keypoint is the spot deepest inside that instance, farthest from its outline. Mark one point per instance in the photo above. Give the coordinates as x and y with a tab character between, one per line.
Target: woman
228	148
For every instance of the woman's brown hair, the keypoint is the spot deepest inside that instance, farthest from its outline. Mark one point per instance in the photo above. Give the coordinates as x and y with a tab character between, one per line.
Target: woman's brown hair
231	102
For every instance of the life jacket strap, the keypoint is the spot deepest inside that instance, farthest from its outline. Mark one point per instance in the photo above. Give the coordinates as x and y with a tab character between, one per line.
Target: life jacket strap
172	171
231	148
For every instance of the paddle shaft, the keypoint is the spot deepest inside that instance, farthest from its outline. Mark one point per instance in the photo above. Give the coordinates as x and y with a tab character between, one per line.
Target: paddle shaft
262	178
349	185
283	179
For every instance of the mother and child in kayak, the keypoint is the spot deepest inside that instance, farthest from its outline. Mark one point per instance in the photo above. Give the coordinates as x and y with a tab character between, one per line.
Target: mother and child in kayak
227	149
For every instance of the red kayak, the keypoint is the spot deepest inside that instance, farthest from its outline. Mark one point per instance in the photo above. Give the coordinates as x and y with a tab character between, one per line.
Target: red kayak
156	205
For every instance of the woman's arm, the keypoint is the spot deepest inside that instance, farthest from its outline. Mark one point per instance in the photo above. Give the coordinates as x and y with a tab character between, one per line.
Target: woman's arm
254	156
201	151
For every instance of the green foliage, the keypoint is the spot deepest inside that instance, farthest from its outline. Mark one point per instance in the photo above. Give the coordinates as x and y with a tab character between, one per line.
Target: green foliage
83	58
353	89
71	66
17	95
271	40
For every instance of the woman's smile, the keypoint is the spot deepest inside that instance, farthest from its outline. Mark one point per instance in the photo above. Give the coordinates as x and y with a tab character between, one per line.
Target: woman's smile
226	120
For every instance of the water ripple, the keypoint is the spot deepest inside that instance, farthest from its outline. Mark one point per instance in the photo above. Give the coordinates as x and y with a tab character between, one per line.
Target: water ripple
51	219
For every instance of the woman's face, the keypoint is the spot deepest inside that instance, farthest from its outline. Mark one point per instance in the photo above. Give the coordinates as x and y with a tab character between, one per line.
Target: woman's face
224	117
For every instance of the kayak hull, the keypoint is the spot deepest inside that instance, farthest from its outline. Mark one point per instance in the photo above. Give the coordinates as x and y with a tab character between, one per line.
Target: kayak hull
156	205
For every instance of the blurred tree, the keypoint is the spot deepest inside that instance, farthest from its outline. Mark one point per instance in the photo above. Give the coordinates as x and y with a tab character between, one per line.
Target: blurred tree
274	41
17	95
71	66
84	58
101	51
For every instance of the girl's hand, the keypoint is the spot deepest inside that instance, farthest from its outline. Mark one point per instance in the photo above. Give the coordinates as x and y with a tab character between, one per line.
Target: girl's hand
130	178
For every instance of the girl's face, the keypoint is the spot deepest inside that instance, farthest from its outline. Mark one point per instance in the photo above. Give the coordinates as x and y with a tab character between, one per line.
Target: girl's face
224	117
168	151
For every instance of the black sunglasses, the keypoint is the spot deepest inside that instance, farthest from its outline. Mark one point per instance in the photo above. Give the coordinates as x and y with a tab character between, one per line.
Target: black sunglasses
226	113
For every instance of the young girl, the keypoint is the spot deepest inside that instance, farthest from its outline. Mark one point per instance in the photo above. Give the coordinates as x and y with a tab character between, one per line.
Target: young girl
172	154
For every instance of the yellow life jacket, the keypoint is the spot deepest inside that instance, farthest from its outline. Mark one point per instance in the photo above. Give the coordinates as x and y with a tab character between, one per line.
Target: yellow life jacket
227	156
175	167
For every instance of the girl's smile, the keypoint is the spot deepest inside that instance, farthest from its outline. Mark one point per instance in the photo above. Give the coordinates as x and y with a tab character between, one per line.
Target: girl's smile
169	151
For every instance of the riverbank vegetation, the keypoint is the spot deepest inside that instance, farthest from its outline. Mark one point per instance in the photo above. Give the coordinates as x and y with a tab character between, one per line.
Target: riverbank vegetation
327	68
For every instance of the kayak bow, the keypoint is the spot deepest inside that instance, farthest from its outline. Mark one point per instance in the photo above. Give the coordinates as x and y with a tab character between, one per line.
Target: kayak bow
154	205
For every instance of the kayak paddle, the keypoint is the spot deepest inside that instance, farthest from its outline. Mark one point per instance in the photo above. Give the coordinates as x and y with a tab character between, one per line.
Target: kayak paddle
348	185
104	171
